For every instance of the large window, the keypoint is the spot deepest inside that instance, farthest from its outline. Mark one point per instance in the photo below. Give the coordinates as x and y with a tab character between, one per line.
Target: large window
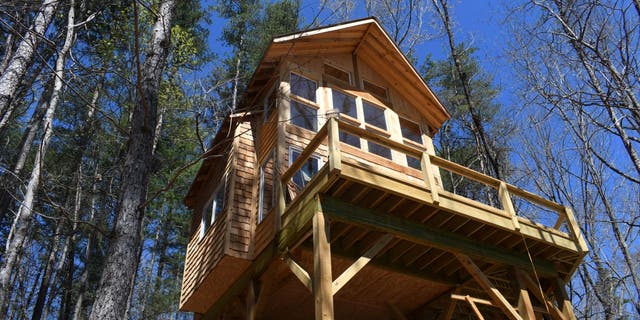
267	190
214	207
344	103
304	116
303	93
410	131
303	87
374	115
307	171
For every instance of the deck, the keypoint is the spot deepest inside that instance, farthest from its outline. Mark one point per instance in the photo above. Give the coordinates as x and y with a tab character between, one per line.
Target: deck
415	234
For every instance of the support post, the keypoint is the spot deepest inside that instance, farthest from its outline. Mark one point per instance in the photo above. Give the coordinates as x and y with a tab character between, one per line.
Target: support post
333	137
322	278
563	300
507	204
425	164
474	307
525	308
251	299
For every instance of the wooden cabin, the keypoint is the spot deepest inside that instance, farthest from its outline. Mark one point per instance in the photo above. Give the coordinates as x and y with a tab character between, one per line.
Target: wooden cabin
322	196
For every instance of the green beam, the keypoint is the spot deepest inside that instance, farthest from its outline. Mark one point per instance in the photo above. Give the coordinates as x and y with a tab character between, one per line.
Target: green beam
424	235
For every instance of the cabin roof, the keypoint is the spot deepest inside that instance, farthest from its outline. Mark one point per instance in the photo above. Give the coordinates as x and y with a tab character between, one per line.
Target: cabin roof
370	42
365	38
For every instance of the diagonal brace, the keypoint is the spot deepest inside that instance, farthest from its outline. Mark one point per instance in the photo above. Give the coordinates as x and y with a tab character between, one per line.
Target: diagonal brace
299	272
360	263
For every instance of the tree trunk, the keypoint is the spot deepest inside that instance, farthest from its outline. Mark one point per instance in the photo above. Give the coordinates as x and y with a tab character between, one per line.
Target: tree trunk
120	265
48	272
23	56
23	217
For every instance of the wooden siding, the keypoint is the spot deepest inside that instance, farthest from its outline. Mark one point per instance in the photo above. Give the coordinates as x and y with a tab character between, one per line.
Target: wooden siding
244	206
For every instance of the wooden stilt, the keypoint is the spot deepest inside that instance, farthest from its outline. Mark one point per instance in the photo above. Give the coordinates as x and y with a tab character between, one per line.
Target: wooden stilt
449	312
322	279
251	299
474	307
525	308
563	300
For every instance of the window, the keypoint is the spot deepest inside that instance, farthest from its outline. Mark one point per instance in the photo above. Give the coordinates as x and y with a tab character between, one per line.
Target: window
410	131
303	87
270	103
304	116
337	73
267	190
214	208
349	139
307	171
345	103
379	150
374	115
413	163
376	90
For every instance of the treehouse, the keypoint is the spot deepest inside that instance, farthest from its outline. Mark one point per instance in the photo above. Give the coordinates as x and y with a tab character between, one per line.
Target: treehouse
322	196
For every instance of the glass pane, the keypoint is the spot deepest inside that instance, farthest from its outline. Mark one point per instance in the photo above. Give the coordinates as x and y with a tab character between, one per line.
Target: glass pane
267	194
379	150
306	172
345	103
218	202
349	139
374	115
410	131
376	90
303	87
413	163
304	116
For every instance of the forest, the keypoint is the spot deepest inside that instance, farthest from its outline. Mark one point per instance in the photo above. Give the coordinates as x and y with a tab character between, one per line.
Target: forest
107	109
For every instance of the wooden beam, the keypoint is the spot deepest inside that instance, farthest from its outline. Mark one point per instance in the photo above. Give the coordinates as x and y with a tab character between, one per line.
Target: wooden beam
449	312
529	283
563	300
422	234
322	284
360	263
507	204
299	272
525	307
427	172
333	137
474	307
397	313
251	300
488	287
575	230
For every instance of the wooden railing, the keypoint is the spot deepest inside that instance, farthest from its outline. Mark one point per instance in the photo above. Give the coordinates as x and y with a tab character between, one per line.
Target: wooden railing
330	132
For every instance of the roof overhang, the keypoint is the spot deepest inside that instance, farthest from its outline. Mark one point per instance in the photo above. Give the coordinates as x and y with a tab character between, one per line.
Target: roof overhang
364	38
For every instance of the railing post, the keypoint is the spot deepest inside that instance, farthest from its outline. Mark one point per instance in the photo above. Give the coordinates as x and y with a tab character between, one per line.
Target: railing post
430	180
507	204
575	229
333	137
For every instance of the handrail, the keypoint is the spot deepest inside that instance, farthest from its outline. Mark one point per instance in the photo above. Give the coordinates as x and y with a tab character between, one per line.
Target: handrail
504	189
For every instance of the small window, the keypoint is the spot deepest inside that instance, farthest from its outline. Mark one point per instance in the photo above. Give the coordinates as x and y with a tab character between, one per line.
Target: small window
413	163
410	131
267	190
307	171
379	150
376	90
374	115
304	116
270	104
214	208
349	139
345	103
303	87
337	73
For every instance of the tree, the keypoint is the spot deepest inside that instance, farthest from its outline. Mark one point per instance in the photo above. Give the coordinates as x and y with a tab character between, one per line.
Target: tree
21	59
121	260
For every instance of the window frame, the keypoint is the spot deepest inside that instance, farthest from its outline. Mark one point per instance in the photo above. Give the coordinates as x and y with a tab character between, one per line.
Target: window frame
261	187
208	216
314	156
304	102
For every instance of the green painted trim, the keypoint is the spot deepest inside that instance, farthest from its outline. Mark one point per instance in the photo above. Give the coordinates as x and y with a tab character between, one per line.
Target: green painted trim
421	234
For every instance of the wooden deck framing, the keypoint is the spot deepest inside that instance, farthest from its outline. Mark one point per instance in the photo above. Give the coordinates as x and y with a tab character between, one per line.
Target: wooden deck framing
499	265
